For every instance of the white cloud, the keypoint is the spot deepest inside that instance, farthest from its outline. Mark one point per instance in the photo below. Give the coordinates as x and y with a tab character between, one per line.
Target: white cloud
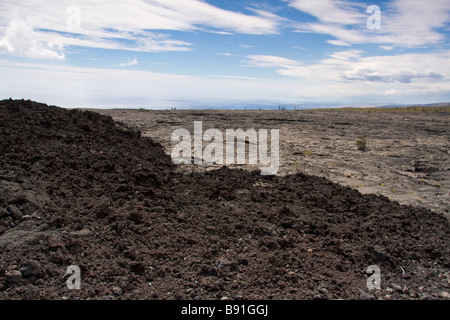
412	23
95	87
339	43
20	39
346	55
350	65
404	23
330	11
343	35
271	61
402	69
130	62
349	75
346	78
113	24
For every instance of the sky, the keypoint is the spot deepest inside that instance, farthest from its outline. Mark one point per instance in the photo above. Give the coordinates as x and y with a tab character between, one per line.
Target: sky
225	53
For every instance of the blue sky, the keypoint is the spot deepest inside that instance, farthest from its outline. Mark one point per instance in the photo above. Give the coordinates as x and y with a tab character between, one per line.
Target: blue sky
164	53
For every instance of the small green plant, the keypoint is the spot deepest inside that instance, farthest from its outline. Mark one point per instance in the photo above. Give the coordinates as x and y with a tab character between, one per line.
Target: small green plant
361	143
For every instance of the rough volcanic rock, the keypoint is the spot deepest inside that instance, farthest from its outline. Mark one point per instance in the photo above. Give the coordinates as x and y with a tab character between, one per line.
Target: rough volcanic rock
105	199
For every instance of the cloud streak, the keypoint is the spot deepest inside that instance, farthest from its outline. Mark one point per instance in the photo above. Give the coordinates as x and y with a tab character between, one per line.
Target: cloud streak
96	87
344	76
408	57
351	66
130	62
44	28
405	23
330	11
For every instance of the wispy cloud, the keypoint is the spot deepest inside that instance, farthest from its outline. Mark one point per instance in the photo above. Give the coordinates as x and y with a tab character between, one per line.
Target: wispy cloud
279	63
44	28
339	43
350	65
407	58
21	39
130	62
405	23
330	11
344	77
387	48
95	87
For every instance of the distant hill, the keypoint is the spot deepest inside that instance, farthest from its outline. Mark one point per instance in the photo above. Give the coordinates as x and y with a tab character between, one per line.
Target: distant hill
428	108
440	104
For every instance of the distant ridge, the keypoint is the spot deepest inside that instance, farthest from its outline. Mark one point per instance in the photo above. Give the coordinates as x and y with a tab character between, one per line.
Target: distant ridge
397	109
439	104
